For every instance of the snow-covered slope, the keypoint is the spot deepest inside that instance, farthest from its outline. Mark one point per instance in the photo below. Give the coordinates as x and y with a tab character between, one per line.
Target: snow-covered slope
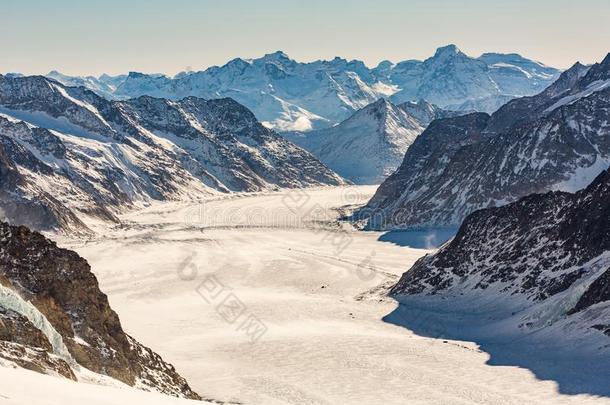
291	96
454	80
104	85
541	262
55	320
18	383
367	147
558	139
514	73
66	150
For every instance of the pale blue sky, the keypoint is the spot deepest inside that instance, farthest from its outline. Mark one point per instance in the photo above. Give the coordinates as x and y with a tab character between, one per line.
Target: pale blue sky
93	37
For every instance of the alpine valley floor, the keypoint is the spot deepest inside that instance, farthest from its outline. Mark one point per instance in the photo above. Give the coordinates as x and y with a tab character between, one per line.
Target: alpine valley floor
317	288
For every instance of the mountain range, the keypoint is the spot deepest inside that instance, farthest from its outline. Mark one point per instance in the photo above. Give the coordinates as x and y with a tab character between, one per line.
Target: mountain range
555	140
287	95
66	152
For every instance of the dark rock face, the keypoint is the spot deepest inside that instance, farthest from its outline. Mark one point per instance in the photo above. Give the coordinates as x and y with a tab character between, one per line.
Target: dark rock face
439	143
556	140
62	287
66	151
535	248
35	359
598	291
18	329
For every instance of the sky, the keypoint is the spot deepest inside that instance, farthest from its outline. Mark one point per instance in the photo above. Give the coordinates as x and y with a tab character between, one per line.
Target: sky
110	36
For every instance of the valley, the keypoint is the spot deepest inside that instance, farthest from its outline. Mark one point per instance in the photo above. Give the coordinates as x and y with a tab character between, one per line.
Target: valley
190	215
318	288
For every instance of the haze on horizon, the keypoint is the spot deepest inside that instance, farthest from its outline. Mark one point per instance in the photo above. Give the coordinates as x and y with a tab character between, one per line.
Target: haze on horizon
87	38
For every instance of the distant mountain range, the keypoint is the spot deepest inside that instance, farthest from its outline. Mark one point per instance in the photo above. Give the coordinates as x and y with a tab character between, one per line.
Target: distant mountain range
368	146
556	140
67	152
291	96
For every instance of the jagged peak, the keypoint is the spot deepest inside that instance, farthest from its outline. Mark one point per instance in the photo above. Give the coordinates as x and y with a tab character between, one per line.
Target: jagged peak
278	58
378	108
599	71
577	69
276	55
226	102
579	76
381	104
238	61
567	79
139	75
450	49
135	75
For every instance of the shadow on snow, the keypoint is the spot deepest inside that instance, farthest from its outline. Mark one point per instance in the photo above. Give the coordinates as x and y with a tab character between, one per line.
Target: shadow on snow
419	239
574	371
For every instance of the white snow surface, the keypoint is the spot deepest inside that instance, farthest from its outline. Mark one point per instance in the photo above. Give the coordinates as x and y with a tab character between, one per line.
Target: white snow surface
284	256
24	387
593	87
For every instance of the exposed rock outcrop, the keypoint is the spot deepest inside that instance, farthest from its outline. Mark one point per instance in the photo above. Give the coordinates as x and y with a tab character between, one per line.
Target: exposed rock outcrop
547	253
55	319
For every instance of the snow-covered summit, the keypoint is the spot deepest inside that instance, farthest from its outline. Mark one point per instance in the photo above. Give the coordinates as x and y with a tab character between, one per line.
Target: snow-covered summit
293	96
368	146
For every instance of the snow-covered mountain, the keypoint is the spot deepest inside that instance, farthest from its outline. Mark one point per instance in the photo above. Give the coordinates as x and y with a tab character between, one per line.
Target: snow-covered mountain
542	262
368	146
104	85
55	320
556	140
291	96
65	150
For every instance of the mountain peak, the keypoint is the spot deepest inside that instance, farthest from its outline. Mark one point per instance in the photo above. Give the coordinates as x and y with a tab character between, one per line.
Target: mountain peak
277	55
136	75
381	104
378	109
606	61
599	71
577	70
450	49
385	64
